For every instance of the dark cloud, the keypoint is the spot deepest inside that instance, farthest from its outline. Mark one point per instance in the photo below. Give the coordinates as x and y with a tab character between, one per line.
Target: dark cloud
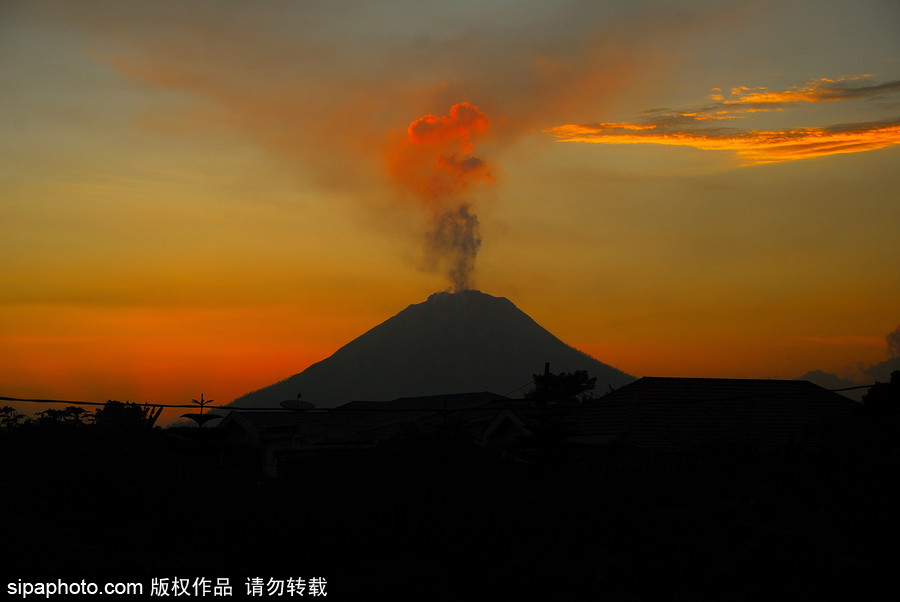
832	381
893	342
880	372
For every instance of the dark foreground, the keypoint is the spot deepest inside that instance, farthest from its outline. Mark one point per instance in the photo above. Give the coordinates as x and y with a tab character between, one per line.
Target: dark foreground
440	520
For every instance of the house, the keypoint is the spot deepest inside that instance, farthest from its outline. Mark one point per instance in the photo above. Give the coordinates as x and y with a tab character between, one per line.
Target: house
676	414
276	433
652	413
284	436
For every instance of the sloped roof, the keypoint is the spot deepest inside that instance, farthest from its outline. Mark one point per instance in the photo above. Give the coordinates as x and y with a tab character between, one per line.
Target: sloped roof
268	419
358	416
256	423
455	401
678	413
424	410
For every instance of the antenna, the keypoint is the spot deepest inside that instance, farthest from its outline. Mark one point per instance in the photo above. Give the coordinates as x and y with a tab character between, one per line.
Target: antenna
200	418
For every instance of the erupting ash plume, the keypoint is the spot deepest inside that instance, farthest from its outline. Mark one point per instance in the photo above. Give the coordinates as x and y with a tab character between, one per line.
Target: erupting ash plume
452	246
435	162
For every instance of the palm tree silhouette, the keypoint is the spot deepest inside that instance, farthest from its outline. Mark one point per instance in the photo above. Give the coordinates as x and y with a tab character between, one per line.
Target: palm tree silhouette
201	418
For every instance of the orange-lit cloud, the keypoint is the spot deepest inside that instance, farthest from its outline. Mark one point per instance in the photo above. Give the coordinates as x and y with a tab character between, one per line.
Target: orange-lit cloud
691	127
756	147
436	162
820	90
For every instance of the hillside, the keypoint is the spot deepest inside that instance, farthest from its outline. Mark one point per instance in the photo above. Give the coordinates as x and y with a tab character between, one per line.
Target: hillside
453	342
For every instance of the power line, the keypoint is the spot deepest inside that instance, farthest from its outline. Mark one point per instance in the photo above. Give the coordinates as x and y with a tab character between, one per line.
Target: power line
350	410
74	403
531	382
103	403
230	407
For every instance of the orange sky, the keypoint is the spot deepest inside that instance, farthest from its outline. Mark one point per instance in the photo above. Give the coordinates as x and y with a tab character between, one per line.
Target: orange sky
208	198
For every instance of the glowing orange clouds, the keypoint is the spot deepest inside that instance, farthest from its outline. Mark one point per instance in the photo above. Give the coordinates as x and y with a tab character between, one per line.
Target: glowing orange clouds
435	159
820	90
683	128
463	124
755	146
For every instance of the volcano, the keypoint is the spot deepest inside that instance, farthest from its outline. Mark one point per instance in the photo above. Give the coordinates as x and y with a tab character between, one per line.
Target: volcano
452	343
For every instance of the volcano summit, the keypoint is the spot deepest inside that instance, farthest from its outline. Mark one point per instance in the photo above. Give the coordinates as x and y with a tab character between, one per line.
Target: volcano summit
452	343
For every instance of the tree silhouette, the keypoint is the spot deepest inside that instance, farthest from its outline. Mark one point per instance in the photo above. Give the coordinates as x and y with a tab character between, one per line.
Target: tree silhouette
882	400
875	431
564	388
70	415
556	396
10	418
124	416
201	418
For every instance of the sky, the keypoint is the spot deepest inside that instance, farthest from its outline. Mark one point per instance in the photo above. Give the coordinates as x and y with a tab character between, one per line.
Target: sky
207	197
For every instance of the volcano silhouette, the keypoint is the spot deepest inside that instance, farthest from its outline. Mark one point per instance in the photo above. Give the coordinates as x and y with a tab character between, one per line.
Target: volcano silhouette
452	343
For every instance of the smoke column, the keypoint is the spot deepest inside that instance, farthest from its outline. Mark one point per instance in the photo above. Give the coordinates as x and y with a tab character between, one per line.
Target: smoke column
453	245
435	161
893	341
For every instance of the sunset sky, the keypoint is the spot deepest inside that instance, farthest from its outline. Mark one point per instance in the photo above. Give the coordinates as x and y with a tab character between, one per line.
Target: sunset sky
207	197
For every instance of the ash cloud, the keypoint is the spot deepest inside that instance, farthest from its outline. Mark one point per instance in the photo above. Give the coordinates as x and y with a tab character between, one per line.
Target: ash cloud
323	102
435	162
452	246
880	372
893	341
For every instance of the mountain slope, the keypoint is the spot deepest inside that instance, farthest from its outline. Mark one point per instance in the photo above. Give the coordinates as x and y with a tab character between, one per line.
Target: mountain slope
453	342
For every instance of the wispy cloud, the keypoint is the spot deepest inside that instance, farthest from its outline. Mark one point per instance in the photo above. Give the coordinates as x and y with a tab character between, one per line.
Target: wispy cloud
698	127
820	90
